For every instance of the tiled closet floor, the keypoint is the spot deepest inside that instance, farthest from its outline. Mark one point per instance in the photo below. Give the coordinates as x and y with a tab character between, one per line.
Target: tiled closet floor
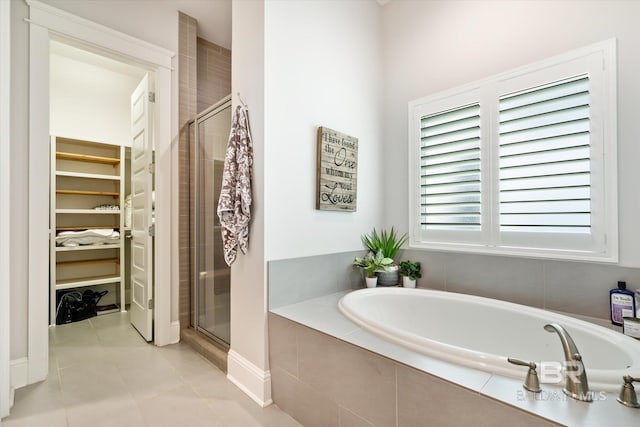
102	373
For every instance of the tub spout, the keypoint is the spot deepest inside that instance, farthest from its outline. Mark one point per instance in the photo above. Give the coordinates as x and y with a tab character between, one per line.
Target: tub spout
576	384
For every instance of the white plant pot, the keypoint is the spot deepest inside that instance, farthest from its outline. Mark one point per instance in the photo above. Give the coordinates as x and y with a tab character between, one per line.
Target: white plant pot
408	283
372	282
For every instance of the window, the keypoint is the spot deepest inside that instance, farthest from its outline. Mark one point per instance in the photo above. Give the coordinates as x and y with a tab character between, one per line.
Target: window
521	163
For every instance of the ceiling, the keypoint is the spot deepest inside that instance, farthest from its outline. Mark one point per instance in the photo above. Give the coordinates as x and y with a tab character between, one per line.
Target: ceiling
214	25
213	16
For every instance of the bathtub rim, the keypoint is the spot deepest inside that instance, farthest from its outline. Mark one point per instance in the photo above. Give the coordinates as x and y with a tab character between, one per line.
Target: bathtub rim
599	379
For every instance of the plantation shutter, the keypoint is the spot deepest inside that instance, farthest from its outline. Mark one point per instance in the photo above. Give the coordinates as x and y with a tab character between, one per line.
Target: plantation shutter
545	158
450	190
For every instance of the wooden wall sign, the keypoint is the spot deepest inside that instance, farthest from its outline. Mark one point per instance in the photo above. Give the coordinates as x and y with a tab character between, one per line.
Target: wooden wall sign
337	174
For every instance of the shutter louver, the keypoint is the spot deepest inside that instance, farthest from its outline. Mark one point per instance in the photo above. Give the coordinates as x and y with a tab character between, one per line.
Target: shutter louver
450	169
545	157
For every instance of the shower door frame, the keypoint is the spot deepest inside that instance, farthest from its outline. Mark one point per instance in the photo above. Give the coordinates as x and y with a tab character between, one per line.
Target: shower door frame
194	219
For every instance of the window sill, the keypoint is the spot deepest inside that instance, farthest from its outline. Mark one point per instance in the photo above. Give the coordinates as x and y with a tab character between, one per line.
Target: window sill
517	252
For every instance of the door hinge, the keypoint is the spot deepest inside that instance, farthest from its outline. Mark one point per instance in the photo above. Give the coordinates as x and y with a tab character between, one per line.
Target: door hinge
150	304
152	230
152	97
152	168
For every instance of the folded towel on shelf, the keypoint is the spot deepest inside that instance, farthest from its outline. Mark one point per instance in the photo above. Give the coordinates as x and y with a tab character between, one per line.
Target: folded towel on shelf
88	237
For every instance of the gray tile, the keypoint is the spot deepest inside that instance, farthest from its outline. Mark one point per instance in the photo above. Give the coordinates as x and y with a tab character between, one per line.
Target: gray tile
74	333
349	419
73	355
55	417
359	380
298	279
185	361
111	383
308	406
433	266
150	379
214	385
320	313
178	407
516	280
90	383
470	378
424	400
283	346
583	288
112	411
38	404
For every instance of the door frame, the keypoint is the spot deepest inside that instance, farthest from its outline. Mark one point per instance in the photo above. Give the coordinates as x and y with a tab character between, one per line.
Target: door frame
47	22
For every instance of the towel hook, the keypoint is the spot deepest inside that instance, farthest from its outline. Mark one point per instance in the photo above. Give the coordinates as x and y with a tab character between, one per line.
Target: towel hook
244	104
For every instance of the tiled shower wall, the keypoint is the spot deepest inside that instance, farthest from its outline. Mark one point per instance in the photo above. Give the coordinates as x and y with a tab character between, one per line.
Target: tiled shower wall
205	78
214	73
187	109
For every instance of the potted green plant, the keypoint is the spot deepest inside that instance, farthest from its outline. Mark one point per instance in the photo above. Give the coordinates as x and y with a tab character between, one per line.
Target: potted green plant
410	272
373	264
389	243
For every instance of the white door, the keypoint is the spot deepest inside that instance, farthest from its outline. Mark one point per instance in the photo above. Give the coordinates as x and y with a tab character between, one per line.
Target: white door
141	205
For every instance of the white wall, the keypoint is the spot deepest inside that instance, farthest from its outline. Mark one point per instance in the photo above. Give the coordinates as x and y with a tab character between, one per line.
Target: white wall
247	363
299	65
90	102
322	68
436	45
19	178
5	202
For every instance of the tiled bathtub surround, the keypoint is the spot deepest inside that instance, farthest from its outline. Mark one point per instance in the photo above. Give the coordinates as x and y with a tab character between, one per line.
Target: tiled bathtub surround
323	381
570	287
328	371
298	279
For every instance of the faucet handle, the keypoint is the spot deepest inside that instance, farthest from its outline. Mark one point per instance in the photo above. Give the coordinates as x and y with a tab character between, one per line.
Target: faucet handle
628	395
531	381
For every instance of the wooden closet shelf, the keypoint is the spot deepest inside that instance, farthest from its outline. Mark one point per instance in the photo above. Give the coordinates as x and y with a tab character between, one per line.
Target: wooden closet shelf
84	175
88	261
87	227
87	281
89	193
87	158
88	247
88	211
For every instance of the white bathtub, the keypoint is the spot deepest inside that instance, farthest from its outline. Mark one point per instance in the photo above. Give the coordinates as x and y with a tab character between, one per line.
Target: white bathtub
481	333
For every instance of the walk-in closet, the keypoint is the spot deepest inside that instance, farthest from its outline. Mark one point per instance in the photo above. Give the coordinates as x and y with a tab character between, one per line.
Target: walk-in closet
98	190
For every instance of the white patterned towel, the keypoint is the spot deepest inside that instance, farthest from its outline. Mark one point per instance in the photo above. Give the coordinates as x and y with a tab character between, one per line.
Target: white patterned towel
234	205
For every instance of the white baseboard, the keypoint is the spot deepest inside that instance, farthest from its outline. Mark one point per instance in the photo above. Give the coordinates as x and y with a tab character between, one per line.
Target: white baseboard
19	372
174	332
253	381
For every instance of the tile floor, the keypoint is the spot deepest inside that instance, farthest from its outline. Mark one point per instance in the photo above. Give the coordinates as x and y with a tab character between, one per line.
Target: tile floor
102	373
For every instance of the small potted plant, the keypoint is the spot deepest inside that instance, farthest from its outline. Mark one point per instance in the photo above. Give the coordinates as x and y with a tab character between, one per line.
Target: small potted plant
410	272
389	243
373	264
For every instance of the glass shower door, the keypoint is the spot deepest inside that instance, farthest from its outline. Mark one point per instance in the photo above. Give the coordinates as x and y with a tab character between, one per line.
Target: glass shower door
212	275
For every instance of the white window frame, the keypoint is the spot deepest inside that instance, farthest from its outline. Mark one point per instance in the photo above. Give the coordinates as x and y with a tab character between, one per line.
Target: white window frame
601	244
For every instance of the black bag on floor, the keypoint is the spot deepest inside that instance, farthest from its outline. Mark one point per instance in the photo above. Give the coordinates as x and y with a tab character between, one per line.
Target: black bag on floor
74	306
